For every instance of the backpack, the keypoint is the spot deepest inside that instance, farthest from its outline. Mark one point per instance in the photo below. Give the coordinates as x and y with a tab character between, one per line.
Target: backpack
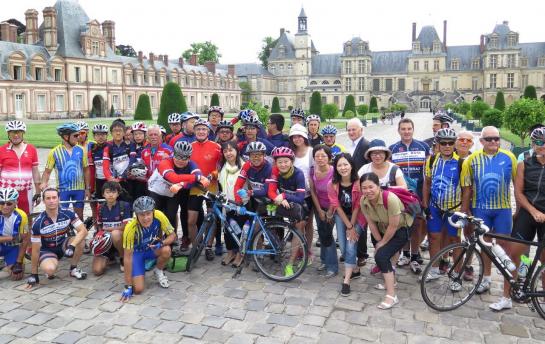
177	262
410	200
392	176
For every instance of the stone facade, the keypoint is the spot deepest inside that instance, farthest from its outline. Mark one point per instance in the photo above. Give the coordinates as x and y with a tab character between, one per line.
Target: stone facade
68	66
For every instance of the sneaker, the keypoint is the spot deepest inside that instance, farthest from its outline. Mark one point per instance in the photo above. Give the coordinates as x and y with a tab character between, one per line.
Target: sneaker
341	259
432	275
418	258
355	275
502	303
468	273
218	250
415	267
403	260
321	267
184	245
425	245
288	270
208	254
330	274
121	265
161	278
345	289
78	274
375	270
444	265
483	287
454	286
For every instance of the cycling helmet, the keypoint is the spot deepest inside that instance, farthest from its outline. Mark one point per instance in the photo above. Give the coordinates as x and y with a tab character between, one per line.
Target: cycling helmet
253	121
101	243
329	130
201	121
82	126
443	118
138	170
313	118
297	113
445	134
538	134
163	130
15	125
139	126
174	118
100	128
217	109
256	147
188	115
183	149
244	115
8	194
143	204
67	129
283	152
226	124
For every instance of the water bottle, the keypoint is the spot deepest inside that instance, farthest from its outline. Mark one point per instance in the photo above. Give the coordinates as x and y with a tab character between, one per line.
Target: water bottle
503	257
525	263
243	194
235	226
245	230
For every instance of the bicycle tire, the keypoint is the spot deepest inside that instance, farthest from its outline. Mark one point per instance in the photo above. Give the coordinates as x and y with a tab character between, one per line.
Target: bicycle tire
200	242
534	287
445	286
272	265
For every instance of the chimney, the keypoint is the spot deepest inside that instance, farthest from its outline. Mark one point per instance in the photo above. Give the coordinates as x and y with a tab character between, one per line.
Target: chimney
160	58
108	30
231	70
282	31
31	33
13	33
193	60
181	61
151	58
211	66
50	28
482	44
414	32
505	22
140	56
165	60
4	31
445	34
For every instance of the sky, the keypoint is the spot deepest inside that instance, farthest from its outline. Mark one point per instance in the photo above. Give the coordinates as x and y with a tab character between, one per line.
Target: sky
238	27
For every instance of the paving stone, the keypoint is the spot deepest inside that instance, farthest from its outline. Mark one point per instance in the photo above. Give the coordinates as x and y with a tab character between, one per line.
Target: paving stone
260	329
18	314
29	331
212	321
314	320
79	325
295	310
282	332
281	319
328	338
466	335
234	313
256	305
68	337
363	332
169	326
357	318
235	293
276	308
512	329
126	320
242	338
301	301
98	329
120	332
216	335
6	338
349	304
409	326
499	339
170	314
437	330
269	340
147	324
110	306
39	318
392	337
194	331
308	331
192	318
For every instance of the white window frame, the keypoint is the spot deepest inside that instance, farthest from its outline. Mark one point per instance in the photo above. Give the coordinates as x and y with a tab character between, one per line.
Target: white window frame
41	103
59	102
78	102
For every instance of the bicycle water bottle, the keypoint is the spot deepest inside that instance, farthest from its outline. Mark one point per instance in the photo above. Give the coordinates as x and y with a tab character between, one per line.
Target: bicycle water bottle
503	257
525	263
244	236
235	226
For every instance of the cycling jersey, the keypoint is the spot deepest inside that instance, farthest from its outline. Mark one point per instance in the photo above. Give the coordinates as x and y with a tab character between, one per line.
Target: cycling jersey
169	137
135	151
116	160
279	140
290	185
525	155
445	192
95	157
337	149
256	178
14	225
182	137
69	167
411	159
54	233
243	144
490	176
152	156
167	174
110	218
318	140
207	156
137	238
534	183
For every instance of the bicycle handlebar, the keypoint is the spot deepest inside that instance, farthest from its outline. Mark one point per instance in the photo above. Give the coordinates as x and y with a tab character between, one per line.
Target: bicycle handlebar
222	199
481	229
84	201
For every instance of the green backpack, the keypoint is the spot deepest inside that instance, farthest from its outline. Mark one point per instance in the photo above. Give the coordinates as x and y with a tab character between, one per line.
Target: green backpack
178	262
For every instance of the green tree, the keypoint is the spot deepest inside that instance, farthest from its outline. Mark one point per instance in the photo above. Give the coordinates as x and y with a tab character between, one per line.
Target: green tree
373	107
349	104
478	108
363	109
316	103
246	91
206	51
530	92
463	107
266	47
500	101
349	114
215	100
330	111
261	111
143	108
172	100
493	117
522	114
112	111
275	108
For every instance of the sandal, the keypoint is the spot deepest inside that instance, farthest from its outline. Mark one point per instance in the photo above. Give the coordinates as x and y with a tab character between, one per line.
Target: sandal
383	305
228	260
381	286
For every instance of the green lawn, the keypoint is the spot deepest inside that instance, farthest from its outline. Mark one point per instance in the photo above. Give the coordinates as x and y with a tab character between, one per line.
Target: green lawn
506	134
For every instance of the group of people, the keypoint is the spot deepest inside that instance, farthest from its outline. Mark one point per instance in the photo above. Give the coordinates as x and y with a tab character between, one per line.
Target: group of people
304	173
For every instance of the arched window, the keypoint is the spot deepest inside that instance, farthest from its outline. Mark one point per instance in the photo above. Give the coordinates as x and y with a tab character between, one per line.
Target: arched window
337	82
313	83
325	82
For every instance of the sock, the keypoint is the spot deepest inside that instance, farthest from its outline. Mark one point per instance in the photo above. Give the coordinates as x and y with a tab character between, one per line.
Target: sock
487	278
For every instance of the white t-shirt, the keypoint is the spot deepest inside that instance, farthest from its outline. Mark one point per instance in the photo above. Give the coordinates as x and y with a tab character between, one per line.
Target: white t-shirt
384	180
304	164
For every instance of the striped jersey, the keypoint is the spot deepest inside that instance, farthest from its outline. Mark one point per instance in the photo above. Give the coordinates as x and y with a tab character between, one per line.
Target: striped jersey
445	192
69	167
138	238
411	158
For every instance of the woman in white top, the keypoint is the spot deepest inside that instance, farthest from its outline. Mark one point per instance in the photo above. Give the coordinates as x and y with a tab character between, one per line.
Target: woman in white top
389	174
300	144
231	165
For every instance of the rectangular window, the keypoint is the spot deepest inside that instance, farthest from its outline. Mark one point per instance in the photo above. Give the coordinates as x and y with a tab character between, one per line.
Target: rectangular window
145	79
192	100
40	103
389	86
152	100
475	64
96	76
376	85
38	74
78	102
493	61
348	84
114	76
524	62
78	74
436	85
157	81
401	84
94	48
493	80
129	101
455	65
510	80
348	67
17	73
416	65
361	99
454	84
436	65
511	61
58	74
426	65
336	100
416	83
115	101
59	102
361	84
474	84
361	67
524	81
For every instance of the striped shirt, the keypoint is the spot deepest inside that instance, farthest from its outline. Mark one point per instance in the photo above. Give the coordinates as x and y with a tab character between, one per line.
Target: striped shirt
69	167
445	182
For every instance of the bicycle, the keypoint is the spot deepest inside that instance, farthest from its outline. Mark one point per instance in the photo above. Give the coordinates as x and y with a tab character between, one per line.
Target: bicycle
453	290
271	241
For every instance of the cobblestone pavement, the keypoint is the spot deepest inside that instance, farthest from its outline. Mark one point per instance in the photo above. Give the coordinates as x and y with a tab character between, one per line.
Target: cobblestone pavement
207	305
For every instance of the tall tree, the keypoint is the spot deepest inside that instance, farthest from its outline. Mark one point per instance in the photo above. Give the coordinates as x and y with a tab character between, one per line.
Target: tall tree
349	104
206	51
215	100
373	107
330	111
522	114
172	100
530	92
125	50
275	108
266	47
500	101
143	108
316	103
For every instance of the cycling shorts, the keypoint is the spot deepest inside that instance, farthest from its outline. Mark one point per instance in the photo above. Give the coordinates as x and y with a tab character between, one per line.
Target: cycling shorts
436	223
526	228
72	195
139	261
194	202
9	253
56	252
500	221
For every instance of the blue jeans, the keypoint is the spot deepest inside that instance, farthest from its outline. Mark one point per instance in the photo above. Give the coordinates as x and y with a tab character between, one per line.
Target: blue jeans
328	248
349	249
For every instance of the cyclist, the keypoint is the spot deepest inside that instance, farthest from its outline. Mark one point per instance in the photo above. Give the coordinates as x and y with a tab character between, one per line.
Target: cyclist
188	132
95	158
116	156
19	165
254	174
464	143
13	232
297	116
70	163
275	125
225	132
147	236
156	150
442	194
215	115
83	137
313	125
528	153
51	240
410	155
439	121
127	136
137	181
251	127
175	125
486	180
245	116
329	134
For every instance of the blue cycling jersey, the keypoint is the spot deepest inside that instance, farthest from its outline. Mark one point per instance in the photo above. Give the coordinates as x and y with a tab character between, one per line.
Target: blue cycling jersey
256	177
118	157
54	233
411	159
291	185
114	217
96	156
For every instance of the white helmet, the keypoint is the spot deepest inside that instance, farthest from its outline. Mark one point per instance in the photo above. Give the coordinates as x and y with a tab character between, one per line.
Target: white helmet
15	125
82	126
174	118
8	194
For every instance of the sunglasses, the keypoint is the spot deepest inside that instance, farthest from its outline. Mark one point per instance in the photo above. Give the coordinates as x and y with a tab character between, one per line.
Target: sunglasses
464	140
9	204
446	143
491	138
75	135
177	157
539	143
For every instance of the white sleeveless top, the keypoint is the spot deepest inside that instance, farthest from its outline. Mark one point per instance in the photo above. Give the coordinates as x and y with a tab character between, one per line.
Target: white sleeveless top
304	164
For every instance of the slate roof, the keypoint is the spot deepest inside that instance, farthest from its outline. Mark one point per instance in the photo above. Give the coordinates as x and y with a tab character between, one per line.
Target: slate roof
302	14
244	69
389	62
427	36
533	51
7	48
465	54
502	31
286	40
326	64
355	43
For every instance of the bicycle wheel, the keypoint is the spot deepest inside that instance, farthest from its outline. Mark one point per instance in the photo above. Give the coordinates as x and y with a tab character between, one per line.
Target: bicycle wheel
449	290
278	245
200	241
537	285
